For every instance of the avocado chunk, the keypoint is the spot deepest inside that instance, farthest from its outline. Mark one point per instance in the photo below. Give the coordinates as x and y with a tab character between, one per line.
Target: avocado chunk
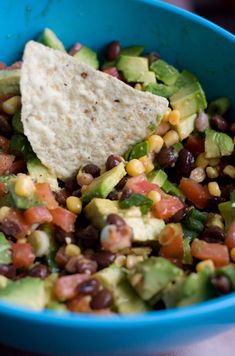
42	174
9	82
184	79
135	69
152	275
218	144
227	210
165	72
28	292
88	56
144	228
50	39
158	177
189	99
160	89
101	186
132	51
126	301
197	288
17	123
186	126
219	106
172	293
5	250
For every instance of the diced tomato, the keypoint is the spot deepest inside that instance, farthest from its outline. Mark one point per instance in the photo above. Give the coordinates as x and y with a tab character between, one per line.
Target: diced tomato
194	192
167	207
2	65
15	224
112	71
37	215
171	240
44	194
162	128
4	144
76	47
195	145
2	189
22	255
230	238
216	252
141	185
63	218
66	286
5	163
17	167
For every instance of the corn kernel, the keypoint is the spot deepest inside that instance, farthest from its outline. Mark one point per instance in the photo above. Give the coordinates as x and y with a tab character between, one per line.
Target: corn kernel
120	260
138	86
4	211
215	220
132	260
162	128
136	279
40	242
155	143
214	162
229	171
154	196
3	281
74	204
148	165
22	240
212	172
166	115
10	106
174	117
135	167
68	240
232	254
197	175
205	264
202	161
24	185
72	250
170	138
214	189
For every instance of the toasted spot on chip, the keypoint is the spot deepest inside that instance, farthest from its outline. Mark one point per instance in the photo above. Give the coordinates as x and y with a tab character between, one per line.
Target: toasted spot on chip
73	114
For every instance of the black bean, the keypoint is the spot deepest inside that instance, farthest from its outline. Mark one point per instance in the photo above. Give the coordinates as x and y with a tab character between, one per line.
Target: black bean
213	234
185	162
89	236
167	157
71	185
180	215
8	271
113	50
39	271
122	182
81	264
213	202
5	127
222	284
232	129
115	219
104	258
60	235
112	161
61	196
113	195
61	258
126	193
92	169
10	228
90	287
227	190
219	123
102	300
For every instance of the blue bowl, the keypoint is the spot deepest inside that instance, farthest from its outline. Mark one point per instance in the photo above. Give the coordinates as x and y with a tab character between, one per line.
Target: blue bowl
183	39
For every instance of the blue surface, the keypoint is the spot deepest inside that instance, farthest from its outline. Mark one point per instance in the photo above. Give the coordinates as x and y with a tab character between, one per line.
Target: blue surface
186	41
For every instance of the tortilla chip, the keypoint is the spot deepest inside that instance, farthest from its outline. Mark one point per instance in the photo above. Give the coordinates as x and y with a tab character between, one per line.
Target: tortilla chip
74	115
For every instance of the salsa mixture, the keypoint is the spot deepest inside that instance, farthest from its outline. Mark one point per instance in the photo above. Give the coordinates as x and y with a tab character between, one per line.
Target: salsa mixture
152	229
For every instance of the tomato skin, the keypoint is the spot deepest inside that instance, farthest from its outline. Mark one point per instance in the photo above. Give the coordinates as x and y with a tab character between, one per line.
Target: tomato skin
44	194
37	215
22	255
194	192
195	145
216	252
171	240
4	144
63	218
230	238
16	218
66	286
141	185
5	163
167	207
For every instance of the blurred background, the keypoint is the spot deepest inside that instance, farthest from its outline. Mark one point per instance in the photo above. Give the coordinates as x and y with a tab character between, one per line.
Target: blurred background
221	12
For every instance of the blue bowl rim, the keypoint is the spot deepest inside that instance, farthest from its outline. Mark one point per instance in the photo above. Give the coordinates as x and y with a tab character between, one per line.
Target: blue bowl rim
71	320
